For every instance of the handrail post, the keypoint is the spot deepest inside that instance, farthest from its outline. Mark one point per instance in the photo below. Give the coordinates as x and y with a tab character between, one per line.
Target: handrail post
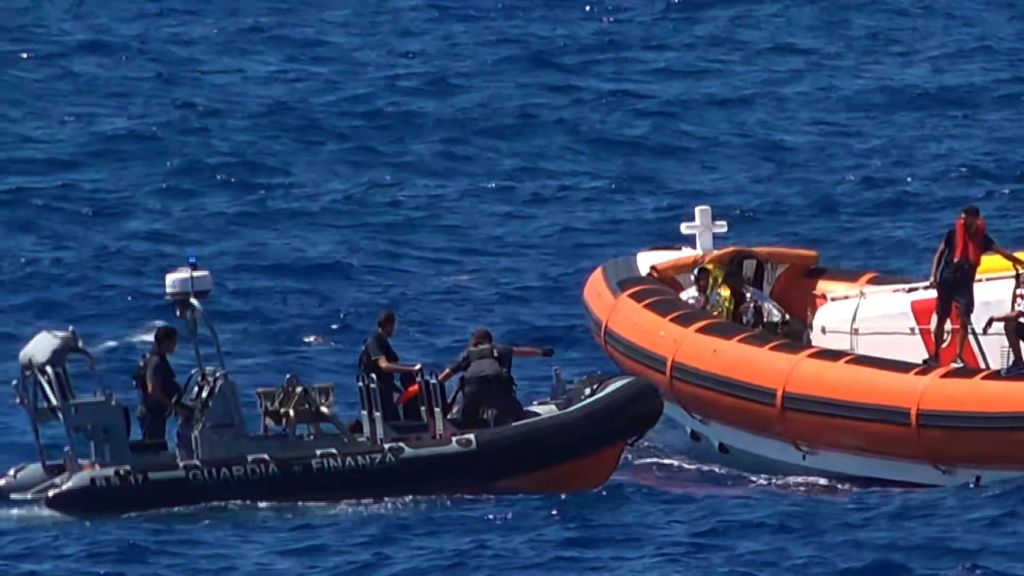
364	400
378	423
557	384
437	398
424	384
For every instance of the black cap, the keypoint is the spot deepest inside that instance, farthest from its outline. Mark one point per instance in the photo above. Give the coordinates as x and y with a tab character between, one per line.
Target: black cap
386	318
482	336
165	334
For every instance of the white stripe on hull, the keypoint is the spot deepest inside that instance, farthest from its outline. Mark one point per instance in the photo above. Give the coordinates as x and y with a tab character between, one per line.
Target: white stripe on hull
761	455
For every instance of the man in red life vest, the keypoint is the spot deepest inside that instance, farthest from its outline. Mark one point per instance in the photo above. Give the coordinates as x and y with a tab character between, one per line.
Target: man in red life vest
956	262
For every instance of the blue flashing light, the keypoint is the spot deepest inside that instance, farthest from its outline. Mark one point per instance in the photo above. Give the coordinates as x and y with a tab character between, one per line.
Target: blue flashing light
193	261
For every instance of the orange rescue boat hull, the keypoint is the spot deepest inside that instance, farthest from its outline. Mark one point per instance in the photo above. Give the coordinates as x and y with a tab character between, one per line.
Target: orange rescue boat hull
831	411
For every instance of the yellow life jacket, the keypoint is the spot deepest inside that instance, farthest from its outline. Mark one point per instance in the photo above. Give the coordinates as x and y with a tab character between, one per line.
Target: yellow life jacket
720	300
724	304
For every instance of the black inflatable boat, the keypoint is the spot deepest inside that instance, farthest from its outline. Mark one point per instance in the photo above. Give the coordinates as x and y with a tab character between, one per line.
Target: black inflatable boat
569	442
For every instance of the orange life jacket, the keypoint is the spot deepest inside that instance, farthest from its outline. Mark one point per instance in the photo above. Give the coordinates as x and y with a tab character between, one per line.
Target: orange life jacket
969	246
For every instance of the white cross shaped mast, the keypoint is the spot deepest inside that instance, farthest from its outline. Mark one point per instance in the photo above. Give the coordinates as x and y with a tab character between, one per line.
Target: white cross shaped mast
704	228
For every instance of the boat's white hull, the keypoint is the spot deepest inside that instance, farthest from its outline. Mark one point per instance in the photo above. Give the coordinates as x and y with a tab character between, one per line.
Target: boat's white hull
709	441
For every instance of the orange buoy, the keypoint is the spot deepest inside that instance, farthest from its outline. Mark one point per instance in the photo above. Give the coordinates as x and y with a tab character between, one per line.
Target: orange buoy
410	393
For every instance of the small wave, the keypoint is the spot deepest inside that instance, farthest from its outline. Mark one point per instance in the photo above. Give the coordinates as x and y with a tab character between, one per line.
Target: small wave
14	512
879	566
148	334
805	484
104	346
143	336
685	464
360	507
713	475
316	340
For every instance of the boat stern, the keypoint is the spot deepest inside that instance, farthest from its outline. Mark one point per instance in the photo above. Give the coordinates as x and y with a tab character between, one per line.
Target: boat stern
23	478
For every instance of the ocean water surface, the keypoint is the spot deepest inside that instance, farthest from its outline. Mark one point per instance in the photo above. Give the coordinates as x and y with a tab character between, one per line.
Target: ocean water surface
469	163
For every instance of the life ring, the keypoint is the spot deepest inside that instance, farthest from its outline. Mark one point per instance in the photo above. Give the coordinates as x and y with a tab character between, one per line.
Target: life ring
409	393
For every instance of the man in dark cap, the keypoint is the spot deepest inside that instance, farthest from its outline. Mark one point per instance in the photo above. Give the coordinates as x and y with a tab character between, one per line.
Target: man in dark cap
379	358
488	382
159	391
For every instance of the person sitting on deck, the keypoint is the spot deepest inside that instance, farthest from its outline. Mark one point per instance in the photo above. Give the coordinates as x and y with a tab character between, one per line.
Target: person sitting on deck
1013	327
697	295
739	302
731	296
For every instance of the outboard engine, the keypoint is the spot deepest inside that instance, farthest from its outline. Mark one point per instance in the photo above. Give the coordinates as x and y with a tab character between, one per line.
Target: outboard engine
24	477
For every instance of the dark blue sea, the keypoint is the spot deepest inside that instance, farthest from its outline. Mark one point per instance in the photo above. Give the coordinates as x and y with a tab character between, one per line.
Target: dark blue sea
469	163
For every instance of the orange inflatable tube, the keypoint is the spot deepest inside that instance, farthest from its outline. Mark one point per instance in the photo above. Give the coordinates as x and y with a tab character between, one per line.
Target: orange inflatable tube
786	390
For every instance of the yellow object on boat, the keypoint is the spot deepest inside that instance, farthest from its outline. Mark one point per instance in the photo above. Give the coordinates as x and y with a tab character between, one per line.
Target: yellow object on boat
996	264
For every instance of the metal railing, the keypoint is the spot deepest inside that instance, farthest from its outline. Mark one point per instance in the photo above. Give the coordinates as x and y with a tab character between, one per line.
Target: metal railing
431	401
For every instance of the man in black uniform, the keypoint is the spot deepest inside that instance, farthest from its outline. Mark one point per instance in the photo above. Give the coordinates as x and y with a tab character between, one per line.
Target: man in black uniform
157	386
488	382
379	358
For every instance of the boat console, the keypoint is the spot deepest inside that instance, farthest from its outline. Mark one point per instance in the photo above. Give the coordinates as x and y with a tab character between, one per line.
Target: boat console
293	405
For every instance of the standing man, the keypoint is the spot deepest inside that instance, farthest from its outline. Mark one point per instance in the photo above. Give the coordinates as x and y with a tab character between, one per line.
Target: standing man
157	386
379	358
953	270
